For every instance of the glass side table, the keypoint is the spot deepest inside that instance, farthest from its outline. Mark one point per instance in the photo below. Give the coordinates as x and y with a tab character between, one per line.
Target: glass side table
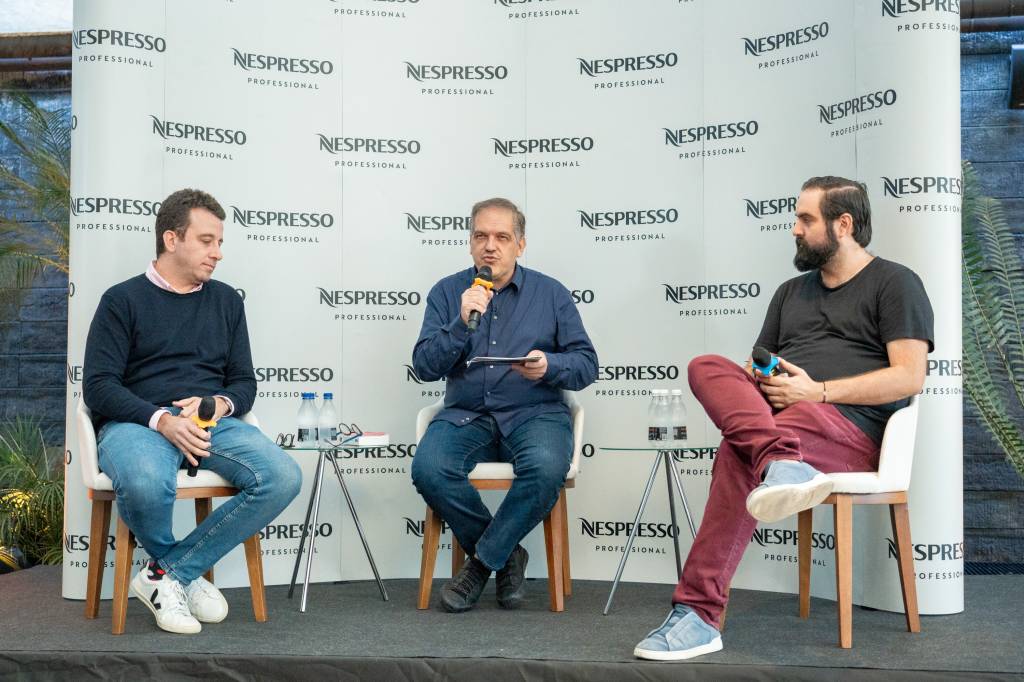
662	454
326	453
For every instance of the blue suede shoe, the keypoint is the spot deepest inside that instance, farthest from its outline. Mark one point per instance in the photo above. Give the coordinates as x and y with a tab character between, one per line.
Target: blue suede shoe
789	487
683	635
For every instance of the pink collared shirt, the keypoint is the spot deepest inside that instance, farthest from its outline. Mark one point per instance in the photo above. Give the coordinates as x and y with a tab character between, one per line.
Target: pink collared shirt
157	279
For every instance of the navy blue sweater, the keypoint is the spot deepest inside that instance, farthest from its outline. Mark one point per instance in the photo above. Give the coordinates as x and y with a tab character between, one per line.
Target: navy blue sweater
148	347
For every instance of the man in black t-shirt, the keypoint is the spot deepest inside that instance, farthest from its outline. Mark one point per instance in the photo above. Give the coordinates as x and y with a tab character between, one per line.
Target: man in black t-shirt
852	336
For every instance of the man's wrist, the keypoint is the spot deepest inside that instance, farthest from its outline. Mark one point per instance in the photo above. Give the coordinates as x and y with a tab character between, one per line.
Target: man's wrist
824	392
154	420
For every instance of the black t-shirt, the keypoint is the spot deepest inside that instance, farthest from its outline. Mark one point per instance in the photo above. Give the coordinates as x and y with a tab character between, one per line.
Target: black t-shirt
842	332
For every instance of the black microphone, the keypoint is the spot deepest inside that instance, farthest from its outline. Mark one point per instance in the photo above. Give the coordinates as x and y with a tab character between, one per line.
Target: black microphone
764	361
484	279
204	418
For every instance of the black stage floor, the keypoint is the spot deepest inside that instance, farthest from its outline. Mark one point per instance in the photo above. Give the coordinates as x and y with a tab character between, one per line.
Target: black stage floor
349	633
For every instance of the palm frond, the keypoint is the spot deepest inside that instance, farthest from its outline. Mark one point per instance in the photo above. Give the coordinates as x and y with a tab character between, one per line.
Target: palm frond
993	310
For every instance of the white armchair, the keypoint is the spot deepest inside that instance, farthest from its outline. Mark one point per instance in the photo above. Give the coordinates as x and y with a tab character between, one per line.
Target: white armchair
886	486
202	488
499	476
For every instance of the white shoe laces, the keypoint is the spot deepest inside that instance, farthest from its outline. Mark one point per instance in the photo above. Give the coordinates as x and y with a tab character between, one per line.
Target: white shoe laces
178	604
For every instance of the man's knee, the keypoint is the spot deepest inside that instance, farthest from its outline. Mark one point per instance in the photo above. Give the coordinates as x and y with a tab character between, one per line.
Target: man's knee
547	469
279	475
700	365
426	471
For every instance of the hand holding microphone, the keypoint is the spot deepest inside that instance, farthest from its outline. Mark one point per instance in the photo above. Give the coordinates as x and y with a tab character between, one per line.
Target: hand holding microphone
783	383
476	298
204	419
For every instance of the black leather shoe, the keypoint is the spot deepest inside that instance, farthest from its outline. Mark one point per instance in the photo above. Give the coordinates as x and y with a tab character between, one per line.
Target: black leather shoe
512	579
462	592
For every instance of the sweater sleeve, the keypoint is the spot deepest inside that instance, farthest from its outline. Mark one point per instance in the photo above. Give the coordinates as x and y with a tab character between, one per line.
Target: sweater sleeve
106	357
239	377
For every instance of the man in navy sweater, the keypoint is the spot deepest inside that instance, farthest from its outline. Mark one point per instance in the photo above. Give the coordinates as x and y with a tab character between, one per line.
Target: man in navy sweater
158	343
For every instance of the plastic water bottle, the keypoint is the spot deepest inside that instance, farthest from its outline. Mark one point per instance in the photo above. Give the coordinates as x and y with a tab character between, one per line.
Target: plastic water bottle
327	423
678	419
657	418
307	420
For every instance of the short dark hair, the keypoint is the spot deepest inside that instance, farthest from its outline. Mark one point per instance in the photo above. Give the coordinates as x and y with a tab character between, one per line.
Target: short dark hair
519	220
843	195
174	213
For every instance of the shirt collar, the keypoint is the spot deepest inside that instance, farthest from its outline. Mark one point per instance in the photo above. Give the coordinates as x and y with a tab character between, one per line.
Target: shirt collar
156	278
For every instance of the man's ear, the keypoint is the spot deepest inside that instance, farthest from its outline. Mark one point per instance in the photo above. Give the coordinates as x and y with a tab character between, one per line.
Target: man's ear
170	238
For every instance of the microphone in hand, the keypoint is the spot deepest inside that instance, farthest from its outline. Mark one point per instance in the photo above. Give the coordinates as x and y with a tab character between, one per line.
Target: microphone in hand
764	361
484	279
204	419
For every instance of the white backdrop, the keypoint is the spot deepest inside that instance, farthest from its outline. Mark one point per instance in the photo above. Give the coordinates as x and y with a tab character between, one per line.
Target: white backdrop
347	160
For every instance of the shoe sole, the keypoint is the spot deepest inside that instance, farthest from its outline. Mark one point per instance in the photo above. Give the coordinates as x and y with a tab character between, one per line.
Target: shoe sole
711	647
513	602
453	609
210	620
145	600
774	503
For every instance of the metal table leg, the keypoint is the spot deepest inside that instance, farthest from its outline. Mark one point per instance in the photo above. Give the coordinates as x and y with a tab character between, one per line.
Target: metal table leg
633	530
686	506
318	485
359	526
305	527
667	456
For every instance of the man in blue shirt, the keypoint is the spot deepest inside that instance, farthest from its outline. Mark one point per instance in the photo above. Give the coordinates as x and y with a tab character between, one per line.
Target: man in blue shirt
498	413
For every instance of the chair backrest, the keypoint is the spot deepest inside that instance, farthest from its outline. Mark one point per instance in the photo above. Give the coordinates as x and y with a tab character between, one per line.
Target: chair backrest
897	455
88	455
427	414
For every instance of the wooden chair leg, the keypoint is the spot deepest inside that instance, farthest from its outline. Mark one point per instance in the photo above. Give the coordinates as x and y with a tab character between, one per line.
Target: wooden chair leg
98	529
844	568
254	562
805	522
553	536
458	556
203	507
566	574
124	543
431	536
900	516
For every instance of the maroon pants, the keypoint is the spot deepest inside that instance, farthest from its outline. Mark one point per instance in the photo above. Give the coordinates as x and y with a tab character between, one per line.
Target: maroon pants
753	436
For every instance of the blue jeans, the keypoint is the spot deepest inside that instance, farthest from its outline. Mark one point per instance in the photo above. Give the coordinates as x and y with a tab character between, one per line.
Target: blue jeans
144	467
540	452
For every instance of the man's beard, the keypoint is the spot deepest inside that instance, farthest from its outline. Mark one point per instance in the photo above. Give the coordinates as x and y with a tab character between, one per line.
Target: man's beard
812	258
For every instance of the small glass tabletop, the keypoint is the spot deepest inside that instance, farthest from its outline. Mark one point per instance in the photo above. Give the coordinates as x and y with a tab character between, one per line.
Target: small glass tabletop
658	448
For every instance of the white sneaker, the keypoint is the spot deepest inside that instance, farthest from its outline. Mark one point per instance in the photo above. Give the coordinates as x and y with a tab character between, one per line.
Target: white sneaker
205	601
166	599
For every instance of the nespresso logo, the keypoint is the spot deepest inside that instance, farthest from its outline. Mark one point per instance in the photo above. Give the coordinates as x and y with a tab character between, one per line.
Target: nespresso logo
462	72
700	292
106	36
601	67
268	62
829	113
543	145
652	216
197	132
369	145
777	41
707	133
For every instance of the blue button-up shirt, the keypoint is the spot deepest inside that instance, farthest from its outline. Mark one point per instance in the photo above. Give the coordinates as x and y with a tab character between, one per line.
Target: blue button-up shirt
532	312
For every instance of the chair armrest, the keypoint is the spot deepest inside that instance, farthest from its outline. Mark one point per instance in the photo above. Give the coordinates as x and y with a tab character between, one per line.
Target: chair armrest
425	416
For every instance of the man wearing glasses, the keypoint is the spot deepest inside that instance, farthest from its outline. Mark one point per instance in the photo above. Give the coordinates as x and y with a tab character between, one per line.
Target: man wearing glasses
494	412
158	342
